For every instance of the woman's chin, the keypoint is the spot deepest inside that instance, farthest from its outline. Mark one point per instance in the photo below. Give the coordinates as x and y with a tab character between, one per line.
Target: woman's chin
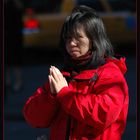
75	54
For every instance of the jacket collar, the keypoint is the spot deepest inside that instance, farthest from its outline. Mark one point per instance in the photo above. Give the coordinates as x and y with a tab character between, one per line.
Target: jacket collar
84	75
88	74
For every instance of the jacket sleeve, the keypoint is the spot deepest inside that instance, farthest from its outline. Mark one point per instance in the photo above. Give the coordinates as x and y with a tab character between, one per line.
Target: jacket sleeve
101	106
40	109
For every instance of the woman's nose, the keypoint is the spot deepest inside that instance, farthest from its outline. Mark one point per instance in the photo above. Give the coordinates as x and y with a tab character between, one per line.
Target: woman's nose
73	42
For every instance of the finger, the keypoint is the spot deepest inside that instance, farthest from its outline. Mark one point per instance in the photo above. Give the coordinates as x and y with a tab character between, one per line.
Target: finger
51	88
51	85
49	77
57	70
58	73
55	76
51	70
53	81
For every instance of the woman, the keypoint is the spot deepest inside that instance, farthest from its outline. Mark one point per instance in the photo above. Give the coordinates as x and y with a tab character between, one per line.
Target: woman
88	99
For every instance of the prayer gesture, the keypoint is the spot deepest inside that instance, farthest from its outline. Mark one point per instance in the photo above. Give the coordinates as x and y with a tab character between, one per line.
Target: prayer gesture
56	80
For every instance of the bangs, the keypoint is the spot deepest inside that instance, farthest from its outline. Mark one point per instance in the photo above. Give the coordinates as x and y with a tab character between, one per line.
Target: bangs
72	30
73	24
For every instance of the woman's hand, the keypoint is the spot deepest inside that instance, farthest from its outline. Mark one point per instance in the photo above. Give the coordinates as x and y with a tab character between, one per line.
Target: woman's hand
56	80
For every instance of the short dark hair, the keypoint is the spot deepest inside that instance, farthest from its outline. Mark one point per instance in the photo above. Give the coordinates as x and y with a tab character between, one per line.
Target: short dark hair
94	28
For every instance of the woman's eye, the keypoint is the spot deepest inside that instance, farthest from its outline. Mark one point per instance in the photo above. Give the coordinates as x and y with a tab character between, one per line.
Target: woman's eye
79	36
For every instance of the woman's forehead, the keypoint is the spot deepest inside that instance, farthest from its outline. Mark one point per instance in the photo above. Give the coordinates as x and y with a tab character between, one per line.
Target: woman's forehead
76	30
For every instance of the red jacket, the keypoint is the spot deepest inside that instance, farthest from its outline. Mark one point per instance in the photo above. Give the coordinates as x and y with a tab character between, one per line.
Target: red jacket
96	101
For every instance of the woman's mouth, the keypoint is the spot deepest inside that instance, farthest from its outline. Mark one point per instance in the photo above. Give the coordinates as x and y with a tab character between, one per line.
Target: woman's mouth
74	53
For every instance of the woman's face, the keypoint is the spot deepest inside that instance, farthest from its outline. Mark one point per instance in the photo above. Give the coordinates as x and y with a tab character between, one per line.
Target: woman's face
79	45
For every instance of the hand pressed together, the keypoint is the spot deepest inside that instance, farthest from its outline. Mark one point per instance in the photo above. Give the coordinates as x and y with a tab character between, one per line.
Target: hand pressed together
56	80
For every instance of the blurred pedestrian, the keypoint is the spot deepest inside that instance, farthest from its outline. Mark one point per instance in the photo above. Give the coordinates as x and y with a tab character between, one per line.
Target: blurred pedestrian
87	99
42	137
13	41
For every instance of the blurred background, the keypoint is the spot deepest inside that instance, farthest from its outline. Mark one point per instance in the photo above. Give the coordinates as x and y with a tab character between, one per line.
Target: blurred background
31	38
